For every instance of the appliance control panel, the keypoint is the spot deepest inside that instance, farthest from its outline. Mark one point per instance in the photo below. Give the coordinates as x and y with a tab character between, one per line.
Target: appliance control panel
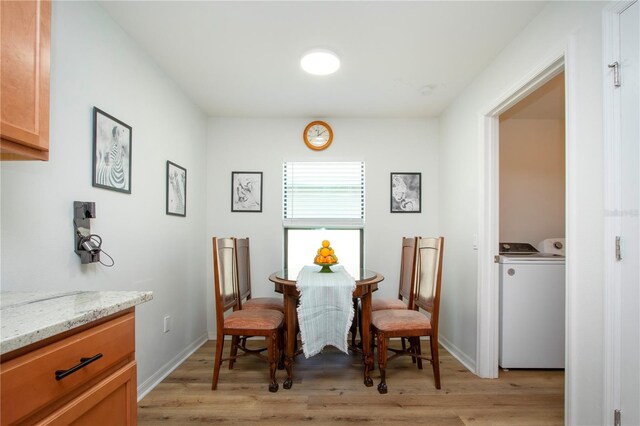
517	248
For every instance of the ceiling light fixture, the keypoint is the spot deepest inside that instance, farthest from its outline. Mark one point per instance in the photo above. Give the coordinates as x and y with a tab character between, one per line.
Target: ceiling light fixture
320	62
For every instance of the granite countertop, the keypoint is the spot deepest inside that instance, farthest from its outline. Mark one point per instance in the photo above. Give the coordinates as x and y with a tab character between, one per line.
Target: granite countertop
28	317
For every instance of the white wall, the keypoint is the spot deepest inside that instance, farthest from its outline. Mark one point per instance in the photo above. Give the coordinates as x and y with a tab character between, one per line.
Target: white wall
94	63
264	144
532	180
548	33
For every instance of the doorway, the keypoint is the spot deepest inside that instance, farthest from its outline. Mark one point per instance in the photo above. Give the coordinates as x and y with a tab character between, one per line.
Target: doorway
531	230
488	227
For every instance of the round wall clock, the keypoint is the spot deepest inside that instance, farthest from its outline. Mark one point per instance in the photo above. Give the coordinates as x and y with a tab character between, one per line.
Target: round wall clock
317	135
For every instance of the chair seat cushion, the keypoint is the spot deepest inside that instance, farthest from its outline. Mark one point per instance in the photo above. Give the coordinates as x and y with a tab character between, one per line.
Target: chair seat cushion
397	320
275	303
387	303
258	319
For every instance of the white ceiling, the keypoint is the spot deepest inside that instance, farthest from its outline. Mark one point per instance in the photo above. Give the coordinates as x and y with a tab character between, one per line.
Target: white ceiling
242	58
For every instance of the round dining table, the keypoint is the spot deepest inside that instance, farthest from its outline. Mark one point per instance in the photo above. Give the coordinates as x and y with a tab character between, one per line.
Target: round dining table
366	283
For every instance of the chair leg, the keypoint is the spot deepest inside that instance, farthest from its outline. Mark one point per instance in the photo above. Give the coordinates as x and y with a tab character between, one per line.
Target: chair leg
435	360
417	350
217	361
272	350
382	362
234	350
404	347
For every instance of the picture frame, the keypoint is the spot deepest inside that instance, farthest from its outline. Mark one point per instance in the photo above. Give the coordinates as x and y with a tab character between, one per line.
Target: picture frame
406	192
176	190
112	143
246	192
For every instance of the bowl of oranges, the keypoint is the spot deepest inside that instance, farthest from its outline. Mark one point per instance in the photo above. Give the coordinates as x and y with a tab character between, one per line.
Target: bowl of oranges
325	257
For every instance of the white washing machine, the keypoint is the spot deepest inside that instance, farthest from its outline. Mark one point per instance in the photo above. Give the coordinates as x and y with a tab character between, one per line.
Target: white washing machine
532	307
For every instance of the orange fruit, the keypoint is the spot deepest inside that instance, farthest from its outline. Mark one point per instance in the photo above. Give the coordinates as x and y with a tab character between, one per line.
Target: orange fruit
331	250
319	259
325	252
326	243
319	250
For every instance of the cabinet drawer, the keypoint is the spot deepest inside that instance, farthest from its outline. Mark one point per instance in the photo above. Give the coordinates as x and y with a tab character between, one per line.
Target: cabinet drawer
112	401
29	382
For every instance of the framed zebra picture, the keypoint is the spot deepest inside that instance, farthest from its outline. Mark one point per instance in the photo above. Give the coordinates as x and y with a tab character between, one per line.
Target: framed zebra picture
111	152
176	190
246	192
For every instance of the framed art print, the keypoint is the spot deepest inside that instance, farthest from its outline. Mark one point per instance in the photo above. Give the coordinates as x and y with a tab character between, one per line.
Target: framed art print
246	192
111	152
176	190
406	192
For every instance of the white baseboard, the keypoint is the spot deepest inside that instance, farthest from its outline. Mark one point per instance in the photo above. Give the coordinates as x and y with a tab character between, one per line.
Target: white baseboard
458	354
148	385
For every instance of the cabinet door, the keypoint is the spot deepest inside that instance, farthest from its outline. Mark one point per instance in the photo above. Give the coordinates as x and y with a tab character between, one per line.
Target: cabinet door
24	76
113	401
28	383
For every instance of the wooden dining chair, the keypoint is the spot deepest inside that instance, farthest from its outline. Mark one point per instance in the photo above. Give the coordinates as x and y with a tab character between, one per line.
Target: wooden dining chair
405	284
244	282
243	268
413	324
405	289
255	322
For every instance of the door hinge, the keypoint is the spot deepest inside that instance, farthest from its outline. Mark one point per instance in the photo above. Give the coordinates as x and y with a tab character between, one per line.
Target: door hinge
618	249
616	73
616	418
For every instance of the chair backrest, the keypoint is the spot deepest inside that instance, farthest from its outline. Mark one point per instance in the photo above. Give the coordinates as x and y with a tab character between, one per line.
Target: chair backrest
243	266
225	276
429	276
405	288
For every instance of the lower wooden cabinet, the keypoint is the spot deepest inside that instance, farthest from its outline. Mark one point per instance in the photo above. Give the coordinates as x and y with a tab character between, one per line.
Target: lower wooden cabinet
110	402
83	377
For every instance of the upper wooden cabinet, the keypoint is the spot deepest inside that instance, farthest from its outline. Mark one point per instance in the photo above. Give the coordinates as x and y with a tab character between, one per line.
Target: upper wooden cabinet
24	75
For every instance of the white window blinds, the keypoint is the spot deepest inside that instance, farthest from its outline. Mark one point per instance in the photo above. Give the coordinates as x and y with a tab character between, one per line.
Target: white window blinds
323	194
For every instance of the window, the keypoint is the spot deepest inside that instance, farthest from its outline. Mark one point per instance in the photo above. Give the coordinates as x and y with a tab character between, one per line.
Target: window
323	200
302	245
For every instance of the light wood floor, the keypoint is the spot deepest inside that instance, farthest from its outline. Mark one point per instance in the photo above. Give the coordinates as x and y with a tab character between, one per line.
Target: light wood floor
328	389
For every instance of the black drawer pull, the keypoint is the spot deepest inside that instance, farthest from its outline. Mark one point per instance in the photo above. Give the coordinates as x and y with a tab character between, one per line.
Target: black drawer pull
61	374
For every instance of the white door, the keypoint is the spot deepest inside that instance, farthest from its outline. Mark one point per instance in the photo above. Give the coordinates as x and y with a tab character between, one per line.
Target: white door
630	229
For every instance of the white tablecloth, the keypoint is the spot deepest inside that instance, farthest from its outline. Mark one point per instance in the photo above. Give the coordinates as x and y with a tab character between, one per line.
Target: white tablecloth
326	310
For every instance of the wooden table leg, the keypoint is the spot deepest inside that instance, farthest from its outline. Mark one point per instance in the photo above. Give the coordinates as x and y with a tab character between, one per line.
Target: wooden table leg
291	318
367	349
